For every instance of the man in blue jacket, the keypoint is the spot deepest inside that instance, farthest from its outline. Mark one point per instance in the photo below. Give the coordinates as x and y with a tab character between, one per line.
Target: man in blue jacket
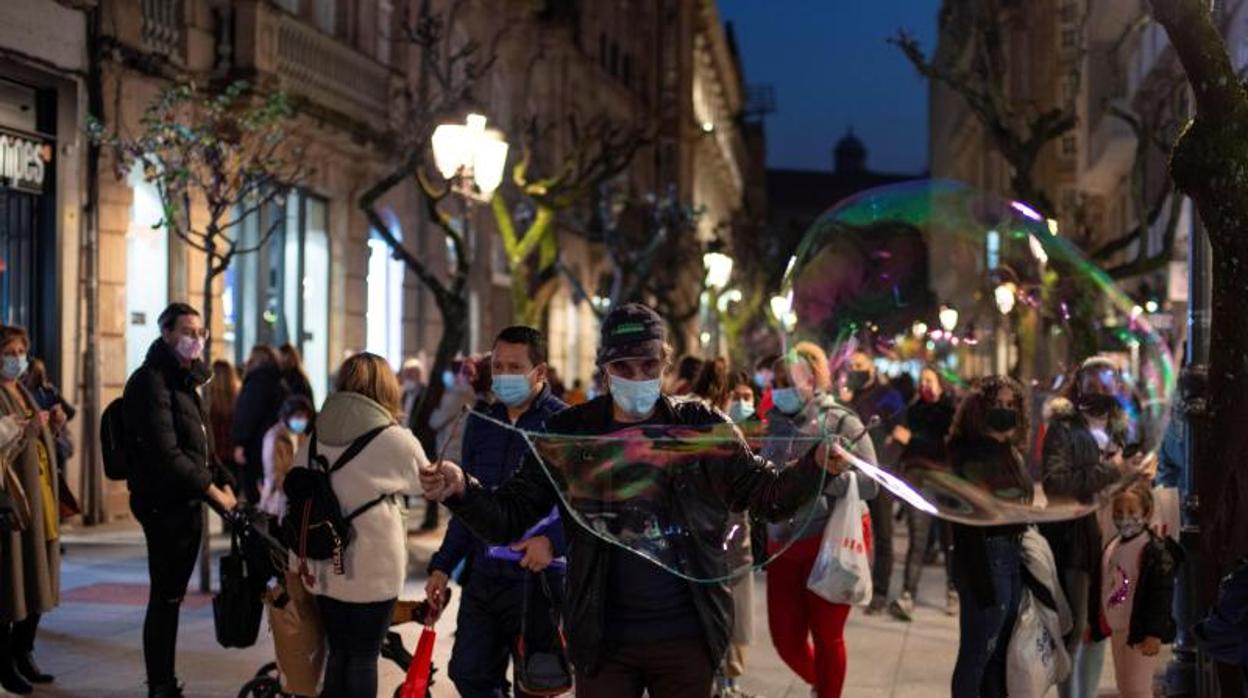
493	596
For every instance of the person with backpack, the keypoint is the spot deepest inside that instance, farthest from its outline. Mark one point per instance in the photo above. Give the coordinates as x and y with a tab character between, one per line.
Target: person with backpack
344	520
494	592
167	462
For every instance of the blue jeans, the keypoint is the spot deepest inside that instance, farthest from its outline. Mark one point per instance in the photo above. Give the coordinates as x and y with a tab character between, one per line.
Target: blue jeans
985	630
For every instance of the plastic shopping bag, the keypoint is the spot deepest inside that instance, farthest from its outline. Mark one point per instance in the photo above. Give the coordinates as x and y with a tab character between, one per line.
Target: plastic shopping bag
1033	657
842	571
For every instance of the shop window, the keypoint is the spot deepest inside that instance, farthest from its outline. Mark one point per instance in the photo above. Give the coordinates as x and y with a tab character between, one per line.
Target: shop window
147	264
384	314
281	293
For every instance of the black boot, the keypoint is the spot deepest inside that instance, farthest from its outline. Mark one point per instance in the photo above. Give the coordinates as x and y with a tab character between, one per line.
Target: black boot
25	665
11	681
173	689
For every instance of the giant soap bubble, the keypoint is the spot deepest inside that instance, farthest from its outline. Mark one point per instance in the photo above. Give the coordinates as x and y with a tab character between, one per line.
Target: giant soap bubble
936	274
678	495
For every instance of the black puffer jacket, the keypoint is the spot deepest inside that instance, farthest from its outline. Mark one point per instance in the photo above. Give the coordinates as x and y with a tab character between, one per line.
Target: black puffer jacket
264	390
706	490
167	445
1152	610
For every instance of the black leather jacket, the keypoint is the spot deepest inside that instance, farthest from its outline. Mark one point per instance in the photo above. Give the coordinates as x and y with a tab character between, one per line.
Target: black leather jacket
732	479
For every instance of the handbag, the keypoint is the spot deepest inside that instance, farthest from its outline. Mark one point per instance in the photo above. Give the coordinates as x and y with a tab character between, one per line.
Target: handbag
842	570
17	512
298	636
542	667
237	607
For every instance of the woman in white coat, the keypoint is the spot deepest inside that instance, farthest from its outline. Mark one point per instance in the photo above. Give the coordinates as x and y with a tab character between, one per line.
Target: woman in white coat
356	605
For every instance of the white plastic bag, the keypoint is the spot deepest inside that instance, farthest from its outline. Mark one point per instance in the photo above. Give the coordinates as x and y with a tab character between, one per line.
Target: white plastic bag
1032	661
842	571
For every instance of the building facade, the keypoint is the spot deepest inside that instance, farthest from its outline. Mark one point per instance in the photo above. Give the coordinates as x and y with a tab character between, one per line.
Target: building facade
85	265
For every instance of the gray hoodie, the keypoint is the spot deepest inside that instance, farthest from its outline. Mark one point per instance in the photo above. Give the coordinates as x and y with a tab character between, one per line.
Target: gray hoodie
783	446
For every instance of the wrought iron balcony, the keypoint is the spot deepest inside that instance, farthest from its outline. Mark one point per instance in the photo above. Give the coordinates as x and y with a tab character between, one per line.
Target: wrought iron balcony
162	27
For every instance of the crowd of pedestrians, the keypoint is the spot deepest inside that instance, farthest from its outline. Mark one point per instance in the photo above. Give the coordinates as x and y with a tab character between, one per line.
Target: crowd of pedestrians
536	585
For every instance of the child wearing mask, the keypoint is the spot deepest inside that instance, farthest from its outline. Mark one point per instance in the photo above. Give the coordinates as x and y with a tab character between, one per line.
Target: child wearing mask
281	442
1137	592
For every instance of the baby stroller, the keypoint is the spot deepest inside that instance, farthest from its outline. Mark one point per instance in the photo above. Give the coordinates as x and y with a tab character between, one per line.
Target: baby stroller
267	558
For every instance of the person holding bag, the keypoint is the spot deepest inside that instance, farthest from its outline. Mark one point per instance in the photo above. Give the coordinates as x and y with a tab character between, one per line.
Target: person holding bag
985	447
807	629
359	430
30	577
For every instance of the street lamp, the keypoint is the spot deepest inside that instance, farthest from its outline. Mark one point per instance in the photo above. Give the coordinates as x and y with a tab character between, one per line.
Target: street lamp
470	154
948	318
718	272
1005	295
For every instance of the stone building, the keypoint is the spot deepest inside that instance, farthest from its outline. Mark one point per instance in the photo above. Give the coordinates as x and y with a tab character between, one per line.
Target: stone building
82	265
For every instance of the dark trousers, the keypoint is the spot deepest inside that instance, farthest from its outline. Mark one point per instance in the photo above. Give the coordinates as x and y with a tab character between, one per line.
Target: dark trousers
921	527
882	534
173	539
487	627
985	630
667	669
354	632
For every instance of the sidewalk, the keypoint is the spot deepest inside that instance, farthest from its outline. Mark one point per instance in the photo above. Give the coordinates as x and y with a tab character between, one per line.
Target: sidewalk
93	642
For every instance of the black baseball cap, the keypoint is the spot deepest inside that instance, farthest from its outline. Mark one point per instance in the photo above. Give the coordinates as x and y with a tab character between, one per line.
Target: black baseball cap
632	331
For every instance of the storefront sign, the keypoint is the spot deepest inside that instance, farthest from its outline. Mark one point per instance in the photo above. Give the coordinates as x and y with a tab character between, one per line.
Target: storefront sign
23	161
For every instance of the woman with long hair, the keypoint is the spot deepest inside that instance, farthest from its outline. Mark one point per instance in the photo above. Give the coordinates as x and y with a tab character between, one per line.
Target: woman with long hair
255	411
221	394
1086	433
807	630
356	605
293	372
711	385
30	577
985	450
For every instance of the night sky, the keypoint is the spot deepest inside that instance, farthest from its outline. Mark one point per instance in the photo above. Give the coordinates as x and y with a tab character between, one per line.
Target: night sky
832	69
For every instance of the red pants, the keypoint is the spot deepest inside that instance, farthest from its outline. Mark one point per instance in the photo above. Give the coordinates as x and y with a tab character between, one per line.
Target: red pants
808	632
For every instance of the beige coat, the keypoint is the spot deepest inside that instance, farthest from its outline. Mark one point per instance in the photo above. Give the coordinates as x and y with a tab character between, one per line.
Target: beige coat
30	563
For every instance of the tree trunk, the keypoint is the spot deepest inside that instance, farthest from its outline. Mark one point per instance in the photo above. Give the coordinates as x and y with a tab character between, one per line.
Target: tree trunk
454	329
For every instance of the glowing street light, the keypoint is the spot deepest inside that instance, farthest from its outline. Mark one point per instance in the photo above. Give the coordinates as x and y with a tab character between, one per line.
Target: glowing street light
918	329
718	269
1005	295
948	318
472	153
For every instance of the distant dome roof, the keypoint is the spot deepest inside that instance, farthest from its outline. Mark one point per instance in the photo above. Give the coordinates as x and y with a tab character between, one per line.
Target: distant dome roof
850	154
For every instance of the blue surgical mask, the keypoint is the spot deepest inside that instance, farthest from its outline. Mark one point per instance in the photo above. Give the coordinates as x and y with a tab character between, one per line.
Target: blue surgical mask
635	397
13	367
740	410
448	378
761	379
297	424
788	400
512	389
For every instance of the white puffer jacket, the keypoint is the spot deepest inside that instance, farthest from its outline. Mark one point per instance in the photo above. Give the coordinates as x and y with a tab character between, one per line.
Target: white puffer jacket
376	560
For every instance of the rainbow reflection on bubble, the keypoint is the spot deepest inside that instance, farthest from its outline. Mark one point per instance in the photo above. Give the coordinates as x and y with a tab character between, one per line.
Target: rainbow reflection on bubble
882	271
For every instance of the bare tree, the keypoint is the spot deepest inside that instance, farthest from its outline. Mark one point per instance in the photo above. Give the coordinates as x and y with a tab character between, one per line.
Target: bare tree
449	70
603	148
231	150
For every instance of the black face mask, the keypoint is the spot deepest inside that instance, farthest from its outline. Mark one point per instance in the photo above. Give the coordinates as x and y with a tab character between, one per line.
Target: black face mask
857	380
1096	404
1002	419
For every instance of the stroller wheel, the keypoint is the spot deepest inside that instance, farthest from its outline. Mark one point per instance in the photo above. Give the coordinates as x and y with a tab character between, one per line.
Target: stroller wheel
261	687
269	670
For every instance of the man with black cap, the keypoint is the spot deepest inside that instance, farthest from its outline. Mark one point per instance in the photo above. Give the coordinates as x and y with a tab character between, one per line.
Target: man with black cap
632	625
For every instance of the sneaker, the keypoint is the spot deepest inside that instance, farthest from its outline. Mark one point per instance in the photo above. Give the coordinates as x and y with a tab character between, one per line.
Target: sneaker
903	607
877	605
951	603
